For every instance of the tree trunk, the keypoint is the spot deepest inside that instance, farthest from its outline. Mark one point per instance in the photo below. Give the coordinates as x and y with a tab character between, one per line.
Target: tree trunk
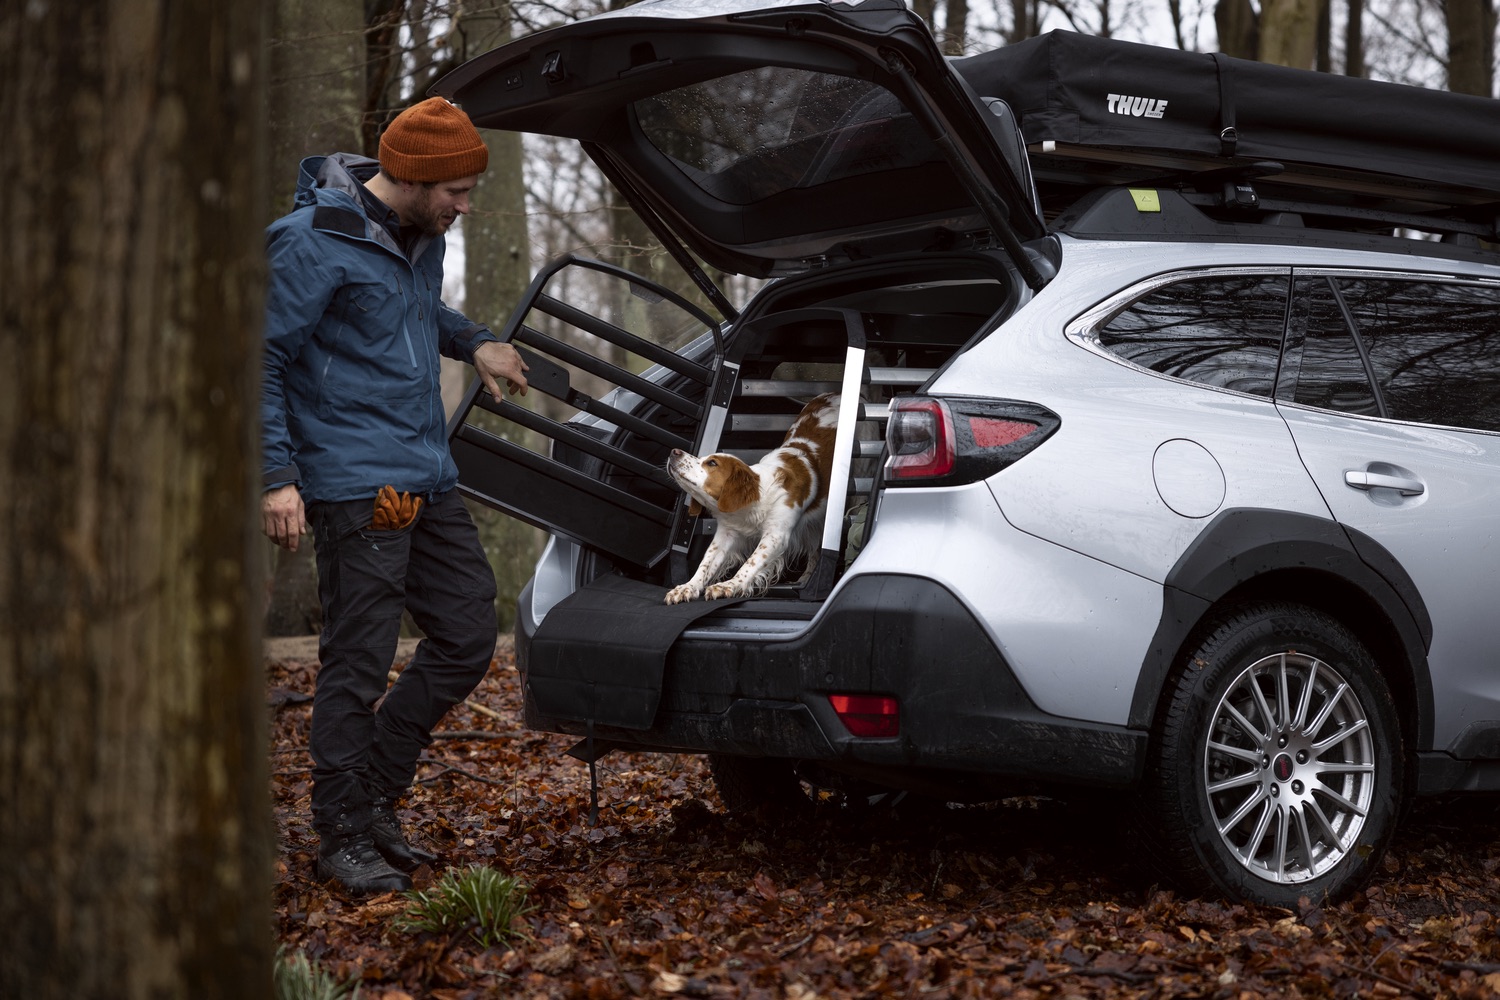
316	87
1024	19
497	269
1106	24
955	26
382	63
1323	61
1174	13
497	245
1471	46
1289	32
136	830
1238	27
1354	39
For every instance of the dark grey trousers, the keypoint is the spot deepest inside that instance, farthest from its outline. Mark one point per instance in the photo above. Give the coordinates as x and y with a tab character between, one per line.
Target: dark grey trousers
436	569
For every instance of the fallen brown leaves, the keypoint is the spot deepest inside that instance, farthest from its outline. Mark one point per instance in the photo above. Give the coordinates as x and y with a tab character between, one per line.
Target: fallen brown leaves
666	897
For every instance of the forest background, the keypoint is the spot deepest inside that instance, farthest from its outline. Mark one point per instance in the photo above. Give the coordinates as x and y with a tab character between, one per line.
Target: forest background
147	145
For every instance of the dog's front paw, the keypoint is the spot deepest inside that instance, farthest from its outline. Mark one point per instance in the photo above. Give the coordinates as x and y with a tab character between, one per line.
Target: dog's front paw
720	591
682	593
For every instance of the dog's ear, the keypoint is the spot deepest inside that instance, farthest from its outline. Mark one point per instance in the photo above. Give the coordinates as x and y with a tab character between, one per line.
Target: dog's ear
694	507
741	486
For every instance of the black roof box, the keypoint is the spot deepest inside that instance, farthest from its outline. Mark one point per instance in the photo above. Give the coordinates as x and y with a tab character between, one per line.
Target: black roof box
1100	111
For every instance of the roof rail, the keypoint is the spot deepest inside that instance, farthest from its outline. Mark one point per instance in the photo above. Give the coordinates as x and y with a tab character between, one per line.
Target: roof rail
1241	212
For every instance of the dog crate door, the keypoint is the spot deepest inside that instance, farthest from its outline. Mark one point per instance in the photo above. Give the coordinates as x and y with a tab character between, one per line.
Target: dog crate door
621	371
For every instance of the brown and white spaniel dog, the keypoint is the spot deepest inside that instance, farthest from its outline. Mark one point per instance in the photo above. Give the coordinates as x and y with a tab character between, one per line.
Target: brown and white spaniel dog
772	510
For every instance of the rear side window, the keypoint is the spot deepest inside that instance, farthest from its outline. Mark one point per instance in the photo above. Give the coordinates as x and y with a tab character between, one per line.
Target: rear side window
1324	366
1219	330
1422	351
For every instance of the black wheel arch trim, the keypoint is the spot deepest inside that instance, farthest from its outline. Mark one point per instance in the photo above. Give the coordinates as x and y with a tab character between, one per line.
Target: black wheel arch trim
1241	544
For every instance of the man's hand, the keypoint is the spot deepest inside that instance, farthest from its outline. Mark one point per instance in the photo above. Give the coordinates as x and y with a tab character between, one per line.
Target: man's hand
283	517
495	361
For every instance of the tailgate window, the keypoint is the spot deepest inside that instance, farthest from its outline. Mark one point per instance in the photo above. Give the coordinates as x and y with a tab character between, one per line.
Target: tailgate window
747	136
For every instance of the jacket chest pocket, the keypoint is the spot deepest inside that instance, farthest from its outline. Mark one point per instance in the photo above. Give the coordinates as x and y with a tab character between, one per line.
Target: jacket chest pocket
365	302
378	339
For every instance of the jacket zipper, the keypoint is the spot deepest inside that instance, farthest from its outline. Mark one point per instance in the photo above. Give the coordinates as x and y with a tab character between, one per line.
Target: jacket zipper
411	353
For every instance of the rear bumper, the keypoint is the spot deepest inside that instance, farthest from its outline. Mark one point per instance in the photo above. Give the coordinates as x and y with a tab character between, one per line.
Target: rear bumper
730	687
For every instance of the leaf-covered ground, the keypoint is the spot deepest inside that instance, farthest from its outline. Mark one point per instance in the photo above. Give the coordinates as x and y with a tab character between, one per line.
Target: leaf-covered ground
666	896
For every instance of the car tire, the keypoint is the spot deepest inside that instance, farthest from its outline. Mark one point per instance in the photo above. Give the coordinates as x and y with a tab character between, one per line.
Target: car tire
758	788
1251	790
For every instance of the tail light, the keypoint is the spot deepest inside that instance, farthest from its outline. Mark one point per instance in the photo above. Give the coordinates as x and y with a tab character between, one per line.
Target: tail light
867	714
960	440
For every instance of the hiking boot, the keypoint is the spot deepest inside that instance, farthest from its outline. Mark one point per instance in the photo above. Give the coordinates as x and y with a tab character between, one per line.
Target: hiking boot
385	831
358	867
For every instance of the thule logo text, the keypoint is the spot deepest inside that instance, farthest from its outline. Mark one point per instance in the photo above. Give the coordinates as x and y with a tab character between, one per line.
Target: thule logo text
1139	107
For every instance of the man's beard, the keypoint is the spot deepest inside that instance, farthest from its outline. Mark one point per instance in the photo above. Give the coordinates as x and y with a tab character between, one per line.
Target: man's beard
426	218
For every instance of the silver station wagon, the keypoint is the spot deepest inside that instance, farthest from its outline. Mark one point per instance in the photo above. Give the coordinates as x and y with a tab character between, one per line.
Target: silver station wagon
1169	452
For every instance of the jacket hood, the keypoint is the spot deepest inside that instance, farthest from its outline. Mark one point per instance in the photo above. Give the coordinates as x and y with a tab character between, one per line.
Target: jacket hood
337	181
342	172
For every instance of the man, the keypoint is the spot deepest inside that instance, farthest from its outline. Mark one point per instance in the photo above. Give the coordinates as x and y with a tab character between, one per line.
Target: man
355	446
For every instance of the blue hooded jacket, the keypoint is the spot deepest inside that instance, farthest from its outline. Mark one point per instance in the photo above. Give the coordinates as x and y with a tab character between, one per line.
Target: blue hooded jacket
351	397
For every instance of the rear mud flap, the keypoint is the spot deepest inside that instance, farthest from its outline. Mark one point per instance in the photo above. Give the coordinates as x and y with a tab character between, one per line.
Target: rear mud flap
600	654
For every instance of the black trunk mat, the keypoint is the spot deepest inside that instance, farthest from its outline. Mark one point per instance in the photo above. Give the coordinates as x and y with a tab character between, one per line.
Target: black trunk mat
601	652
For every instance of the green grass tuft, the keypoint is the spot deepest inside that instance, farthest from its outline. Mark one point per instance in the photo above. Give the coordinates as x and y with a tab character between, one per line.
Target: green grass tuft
298	977
478	899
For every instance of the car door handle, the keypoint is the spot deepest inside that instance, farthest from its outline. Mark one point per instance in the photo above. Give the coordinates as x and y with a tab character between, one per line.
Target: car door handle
1362	479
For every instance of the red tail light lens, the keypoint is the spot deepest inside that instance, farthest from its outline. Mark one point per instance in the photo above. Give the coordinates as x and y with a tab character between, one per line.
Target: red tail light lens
991	433
919	437
955	440
867	714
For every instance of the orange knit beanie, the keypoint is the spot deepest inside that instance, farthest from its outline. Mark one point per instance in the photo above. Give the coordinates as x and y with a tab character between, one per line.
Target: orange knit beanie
432	142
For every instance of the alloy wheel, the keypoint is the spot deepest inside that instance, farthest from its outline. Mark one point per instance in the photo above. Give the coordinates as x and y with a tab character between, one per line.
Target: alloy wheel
1289	767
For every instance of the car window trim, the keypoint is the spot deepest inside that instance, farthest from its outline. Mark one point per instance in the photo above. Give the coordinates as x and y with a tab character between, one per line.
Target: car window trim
1083	329
1363	349
1382	274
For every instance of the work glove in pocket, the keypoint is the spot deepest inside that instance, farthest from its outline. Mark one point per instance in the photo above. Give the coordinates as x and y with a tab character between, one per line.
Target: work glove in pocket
393	512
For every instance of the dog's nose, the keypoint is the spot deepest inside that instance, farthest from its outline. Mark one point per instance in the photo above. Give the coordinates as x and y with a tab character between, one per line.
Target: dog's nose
676	452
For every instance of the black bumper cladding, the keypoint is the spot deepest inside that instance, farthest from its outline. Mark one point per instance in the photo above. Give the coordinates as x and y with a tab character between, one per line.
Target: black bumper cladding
614	661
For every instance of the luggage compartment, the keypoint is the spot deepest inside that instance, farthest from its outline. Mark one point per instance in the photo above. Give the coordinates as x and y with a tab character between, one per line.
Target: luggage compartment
601	480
